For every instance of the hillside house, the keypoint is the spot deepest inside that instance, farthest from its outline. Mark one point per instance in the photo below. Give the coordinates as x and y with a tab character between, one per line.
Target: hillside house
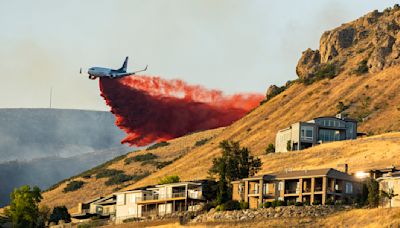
159	200
390	182
103	207
302	135
311	186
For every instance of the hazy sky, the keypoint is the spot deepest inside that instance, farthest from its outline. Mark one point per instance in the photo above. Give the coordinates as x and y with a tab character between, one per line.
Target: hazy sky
235	46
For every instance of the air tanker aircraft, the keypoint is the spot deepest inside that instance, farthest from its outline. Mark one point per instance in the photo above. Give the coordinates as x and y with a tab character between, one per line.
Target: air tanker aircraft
101	72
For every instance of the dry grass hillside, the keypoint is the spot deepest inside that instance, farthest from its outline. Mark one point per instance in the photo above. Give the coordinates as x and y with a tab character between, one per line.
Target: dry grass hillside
371	98
300	103
95	187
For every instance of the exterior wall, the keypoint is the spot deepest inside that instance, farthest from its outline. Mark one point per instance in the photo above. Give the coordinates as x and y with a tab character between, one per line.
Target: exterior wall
126	206
236	195
253	202
281	140
390	183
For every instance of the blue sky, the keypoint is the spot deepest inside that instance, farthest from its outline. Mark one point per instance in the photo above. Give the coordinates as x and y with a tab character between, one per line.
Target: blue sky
234	46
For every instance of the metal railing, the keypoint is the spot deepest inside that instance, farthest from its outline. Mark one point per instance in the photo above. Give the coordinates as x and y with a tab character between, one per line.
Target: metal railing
161	197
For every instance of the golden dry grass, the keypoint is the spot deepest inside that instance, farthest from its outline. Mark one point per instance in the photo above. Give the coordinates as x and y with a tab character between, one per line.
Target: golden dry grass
257	129
368	218
96	187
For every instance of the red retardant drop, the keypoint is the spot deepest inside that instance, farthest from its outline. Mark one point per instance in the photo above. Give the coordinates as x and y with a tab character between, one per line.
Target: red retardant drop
151	109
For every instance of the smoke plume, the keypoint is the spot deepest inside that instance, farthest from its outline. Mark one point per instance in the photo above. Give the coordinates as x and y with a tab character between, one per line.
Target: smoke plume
152	109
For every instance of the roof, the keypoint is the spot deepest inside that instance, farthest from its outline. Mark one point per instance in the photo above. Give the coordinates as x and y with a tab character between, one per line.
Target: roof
330	172
176	184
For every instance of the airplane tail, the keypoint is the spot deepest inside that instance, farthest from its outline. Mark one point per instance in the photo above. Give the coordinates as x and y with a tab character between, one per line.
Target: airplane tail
124	66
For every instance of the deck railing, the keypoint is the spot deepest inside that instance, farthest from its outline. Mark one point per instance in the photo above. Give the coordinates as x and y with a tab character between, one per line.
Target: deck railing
160	197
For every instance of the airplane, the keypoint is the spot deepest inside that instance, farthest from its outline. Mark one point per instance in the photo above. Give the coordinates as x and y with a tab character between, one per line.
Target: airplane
101	72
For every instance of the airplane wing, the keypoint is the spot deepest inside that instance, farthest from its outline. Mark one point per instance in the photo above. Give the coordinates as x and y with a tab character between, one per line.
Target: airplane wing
130	73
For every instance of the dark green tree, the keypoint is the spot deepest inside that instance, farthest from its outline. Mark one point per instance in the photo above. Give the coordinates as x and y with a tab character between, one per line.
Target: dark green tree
60	213
270	149
235	163
24	210
169	179
373	192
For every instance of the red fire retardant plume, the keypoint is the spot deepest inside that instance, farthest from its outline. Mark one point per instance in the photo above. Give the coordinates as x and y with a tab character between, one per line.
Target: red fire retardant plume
152	109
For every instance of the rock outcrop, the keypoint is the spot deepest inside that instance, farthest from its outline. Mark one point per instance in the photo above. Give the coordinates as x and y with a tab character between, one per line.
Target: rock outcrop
373	38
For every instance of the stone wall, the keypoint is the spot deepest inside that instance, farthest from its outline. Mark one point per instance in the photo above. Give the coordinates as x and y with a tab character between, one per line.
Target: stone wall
269	213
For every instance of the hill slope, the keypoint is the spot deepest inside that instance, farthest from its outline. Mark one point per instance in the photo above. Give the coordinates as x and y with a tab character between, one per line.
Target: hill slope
371	96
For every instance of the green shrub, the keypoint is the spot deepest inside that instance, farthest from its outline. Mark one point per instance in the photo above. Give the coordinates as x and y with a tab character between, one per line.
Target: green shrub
306	203
108	173
362	67
73	186
169	179
289	145
231	205
270	149
121	178
316	202
267	205
140	158
278	203
158	145
330	201
291	203
202	142
298	204
220	208
244	205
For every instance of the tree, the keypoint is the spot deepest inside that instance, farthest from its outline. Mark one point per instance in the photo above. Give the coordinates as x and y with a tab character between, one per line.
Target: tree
24	210
60	213
169	179
270	149
389	195
373	192
235	163
289	145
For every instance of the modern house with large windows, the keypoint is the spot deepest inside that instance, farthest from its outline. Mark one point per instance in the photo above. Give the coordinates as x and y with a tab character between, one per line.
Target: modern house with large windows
305	186
159	200
302	135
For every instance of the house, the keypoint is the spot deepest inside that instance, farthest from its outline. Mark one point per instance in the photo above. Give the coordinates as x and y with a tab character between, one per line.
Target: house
390	182
159	200
376	173
311	186
101	206
302	135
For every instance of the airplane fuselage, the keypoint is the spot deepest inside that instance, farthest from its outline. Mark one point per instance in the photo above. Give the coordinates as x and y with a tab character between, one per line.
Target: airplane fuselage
102	72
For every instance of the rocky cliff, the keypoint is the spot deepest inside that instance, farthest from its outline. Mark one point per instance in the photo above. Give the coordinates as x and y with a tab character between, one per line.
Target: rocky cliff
368	44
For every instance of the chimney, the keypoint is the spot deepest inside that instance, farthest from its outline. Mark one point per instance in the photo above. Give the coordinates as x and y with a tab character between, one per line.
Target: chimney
345	167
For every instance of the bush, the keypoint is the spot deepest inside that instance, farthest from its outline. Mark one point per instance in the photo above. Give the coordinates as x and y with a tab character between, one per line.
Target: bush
158	145
316	202
231	205
291	203
73	186
169	179
121	178
207	206
220	208
362	67
267	205
244	205
298	204
201	142
140	158
270	149
60	213
307	203
108	173
330	201
278	203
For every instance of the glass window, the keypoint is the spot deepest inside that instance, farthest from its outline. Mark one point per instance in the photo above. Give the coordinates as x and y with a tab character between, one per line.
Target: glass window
307	132
349	188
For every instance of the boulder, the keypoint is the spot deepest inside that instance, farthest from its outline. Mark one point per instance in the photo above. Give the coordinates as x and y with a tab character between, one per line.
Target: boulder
308	63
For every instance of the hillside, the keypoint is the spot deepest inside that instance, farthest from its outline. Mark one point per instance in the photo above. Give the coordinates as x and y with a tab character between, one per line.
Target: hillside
95	187
369	95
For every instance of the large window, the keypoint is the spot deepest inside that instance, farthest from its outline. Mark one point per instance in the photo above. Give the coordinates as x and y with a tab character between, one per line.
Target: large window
307	132
331	123
349	188
329	135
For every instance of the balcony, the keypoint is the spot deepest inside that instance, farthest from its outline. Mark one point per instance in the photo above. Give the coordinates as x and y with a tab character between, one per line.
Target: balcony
161	197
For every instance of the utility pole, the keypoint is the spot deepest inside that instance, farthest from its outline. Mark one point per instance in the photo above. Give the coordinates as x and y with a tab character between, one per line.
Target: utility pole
51	94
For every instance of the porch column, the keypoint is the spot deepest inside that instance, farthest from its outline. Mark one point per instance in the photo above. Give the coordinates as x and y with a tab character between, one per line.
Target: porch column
312	190
301	190
324	183
186	196
260	193
246	191
282	193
